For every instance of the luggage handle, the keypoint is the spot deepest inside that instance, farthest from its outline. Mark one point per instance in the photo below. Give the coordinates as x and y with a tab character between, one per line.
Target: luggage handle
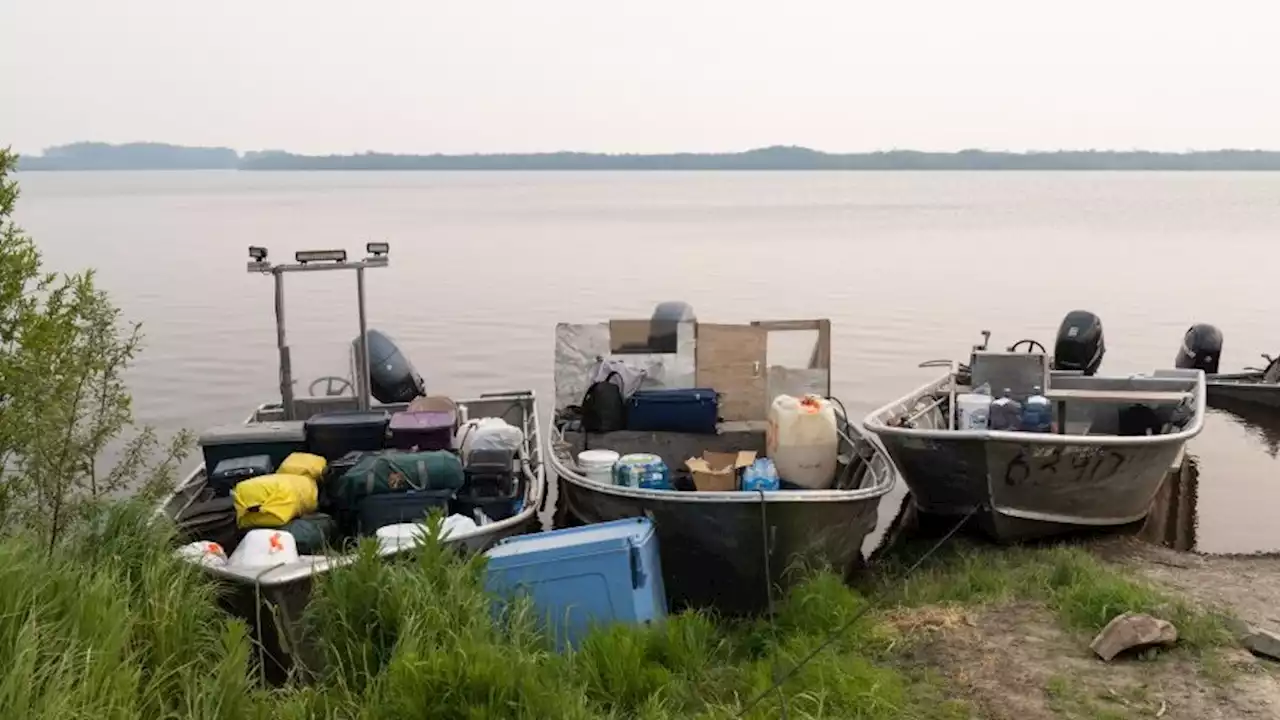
422	468
637	571
660	396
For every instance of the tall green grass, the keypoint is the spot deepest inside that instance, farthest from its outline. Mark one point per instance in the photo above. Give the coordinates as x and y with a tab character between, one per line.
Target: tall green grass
112	625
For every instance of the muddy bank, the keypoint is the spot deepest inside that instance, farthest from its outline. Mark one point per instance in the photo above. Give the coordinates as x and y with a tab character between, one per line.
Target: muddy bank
1015	658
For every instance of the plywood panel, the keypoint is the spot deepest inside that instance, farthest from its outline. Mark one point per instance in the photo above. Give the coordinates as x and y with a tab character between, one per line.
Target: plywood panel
732	359
579	345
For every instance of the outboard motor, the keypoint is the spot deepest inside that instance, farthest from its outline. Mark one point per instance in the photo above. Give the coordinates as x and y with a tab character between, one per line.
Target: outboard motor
392	378
1201	349
1080	345
663	324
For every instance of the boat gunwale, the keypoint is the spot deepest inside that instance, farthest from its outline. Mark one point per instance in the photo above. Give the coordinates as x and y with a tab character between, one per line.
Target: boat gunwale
881	487
288	573
873	424
1238	379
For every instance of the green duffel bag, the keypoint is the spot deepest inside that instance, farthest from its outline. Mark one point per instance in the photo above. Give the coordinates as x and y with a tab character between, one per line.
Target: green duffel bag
312	533
388	472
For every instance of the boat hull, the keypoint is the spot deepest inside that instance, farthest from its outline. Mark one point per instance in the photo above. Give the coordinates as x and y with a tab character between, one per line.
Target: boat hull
1022	486
715	546
1026	490
1223	393
714	554
275	599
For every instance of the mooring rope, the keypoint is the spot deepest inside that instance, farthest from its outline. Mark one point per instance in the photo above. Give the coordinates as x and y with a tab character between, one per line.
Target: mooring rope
834	635
768	590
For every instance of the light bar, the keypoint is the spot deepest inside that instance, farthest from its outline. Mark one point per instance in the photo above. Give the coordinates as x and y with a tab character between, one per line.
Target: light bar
306	256
378	248
257	253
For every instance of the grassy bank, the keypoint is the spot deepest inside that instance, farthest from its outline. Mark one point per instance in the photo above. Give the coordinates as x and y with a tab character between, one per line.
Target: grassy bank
112	626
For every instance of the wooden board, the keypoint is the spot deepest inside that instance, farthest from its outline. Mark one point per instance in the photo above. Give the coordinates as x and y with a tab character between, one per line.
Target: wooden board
732	359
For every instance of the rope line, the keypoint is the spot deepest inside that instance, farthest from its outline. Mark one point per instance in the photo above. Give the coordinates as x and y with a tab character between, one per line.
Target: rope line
835	635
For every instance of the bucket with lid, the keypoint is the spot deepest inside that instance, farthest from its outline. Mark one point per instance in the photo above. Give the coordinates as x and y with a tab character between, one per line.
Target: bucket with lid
598	465
264	547
204	552
643	470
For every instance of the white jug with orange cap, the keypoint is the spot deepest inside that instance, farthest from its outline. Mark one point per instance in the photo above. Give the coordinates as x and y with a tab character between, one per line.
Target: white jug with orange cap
803	441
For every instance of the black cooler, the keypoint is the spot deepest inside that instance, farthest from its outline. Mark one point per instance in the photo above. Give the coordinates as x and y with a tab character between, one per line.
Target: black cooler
275	439
332	435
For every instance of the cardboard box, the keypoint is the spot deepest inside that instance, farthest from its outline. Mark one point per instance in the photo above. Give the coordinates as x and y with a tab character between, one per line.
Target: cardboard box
717	470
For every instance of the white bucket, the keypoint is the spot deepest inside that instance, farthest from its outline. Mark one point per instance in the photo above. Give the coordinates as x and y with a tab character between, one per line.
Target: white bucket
598	465
264	547
973	411
204	552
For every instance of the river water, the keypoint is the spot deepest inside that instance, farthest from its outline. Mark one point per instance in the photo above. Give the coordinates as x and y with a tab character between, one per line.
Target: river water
908	266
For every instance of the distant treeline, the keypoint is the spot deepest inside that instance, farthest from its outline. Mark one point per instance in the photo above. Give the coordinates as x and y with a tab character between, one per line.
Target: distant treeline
132	156
153	156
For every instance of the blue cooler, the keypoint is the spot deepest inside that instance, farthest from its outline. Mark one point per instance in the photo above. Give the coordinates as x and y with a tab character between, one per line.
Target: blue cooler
583	576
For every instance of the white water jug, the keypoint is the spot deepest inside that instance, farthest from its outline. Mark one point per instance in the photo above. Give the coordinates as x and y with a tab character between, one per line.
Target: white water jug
802	440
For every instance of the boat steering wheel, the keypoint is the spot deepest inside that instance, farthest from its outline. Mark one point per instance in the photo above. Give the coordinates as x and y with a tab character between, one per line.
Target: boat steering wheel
334	386
1031	346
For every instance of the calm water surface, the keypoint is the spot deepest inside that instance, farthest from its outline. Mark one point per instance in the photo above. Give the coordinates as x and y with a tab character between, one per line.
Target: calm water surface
909	267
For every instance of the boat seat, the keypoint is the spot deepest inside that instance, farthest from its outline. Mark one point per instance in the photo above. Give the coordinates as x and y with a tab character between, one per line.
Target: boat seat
1060	398
1019	372
1151	397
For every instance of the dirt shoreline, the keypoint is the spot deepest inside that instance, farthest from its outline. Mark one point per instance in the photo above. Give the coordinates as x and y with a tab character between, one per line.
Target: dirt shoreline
1015	661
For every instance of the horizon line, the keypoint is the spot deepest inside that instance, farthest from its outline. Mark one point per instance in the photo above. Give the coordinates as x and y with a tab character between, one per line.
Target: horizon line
626	153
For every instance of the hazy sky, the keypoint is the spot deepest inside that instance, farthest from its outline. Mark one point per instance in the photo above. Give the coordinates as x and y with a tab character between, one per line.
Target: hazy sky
650	75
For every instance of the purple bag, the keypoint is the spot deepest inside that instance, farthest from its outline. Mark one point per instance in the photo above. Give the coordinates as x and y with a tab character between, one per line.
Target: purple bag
423	430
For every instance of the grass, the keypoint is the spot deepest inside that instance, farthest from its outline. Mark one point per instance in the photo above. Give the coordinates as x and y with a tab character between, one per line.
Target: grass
1084	592
113	626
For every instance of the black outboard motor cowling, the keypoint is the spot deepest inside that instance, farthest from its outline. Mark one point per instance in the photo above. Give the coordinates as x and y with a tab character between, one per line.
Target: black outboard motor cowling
1201	349
392	378
1080	345
664	322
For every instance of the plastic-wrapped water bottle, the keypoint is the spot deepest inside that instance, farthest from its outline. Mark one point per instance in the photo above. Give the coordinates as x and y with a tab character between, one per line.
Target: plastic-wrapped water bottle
1006	413
1037	413
761	475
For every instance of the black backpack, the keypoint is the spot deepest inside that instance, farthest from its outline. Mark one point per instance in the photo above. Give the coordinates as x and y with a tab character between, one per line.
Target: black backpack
603	409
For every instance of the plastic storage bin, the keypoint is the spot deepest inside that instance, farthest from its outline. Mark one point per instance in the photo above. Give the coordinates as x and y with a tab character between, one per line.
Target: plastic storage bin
332	435
426	430
276	440
583	576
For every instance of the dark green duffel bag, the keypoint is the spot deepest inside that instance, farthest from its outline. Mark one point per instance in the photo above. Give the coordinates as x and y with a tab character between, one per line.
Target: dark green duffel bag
389	472
312	533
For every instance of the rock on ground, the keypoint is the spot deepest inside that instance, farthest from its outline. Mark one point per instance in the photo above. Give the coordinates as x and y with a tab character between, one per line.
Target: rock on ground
1130	631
